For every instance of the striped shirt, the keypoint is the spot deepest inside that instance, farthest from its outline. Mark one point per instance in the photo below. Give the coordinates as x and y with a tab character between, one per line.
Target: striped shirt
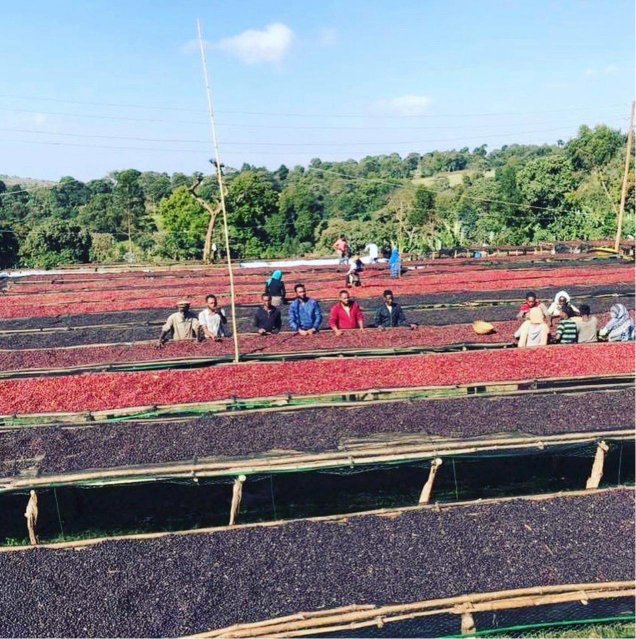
567	331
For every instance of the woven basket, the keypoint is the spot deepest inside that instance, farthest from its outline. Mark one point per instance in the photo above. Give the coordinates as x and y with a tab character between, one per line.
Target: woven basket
483	328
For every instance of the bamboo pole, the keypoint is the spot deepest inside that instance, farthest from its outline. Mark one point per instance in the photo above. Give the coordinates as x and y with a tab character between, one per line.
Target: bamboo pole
219	175
468	624
375	452
596	475
31	515
237	494
390	513
628	157
306	623
425	495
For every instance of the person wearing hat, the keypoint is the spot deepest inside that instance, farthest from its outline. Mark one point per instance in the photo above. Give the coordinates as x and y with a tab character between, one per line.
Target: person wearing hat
534	331
275	288
182	325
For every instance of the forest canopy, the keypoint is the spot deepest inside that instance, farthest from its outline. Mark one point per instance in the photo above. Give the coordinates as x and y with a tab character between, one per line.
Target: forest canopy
515	194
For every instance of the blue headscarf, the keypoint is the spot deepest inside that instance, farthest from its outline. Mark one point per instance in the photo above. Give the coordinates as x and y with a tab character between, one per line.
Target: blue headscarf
276	275
395	256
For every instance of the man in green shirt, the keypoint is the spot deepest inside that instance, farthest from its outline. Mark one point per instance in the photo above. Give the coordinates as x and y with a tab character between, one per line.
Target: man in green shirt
567	330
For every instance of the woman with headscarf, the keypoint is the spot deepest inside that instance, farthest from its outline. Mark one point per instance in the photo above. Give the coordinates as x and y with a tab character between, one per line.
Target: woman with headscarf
395	262
561	303
534	331
275	287
620	328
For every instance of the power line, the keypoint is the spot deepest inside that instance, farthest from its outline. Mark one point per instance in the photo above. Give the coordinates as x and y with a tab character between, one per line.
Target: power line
293	114
251	144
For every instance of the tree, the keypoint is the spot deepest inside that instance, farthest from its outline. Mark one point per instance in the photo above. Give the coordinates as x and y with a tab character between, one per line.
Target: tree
129	199
54	243
594	148
9	248
184	222
251	200
156	186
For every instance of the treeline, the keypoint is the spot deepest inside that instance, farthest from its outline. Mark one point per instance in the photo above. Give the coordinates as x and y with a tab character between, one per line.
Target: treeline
512	195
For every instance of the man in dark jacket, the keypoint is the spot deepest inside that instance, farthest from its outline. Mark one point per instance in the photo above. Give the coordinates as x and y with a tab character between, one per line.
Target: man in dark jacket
390	314
267	318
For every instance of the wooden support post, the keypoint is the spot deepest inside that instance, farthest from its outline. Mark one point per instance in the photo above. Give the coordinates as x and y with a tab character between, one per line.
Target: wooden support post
425	495
31	515
628	157
596	475
237	494
468	623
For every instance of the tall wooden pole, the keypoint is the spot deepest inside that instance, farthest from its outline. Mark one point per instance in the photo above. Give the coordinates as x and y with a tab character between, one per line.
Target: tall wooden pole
628	157
219	176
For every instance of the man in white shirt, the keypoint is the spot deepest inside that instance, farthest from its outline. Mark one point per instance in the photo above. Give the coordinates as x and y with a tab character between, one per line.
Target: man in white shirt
212	319
373	251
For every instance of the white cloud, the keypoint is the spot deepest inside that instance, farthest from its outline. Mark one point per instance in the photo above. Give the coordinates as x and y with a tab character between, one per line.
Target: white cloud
327	37
405	105
592	72
268	45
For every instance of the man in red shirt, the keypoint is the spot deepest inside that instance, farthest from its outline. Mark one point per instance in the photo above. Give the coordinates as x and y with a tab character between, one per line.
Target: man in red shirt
530	302
345	314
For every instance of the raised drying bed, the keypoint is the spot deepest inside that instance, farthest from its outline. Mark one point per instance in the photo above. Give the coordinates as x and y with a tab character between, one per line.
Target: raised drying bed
105	391
67	448
206	580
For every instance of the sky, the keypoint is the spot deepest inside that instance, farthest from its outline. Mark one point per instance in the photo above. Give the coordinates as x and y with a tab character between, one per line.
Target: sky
100	85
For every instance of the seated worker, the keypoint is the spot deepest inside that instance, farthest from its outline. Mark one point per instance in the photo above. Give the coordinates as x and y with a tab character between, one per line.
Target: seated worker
346	314
267	319
620	328
534	331
212	319
530	302
275	288
182	325
567	330
353	274
587	325
561	301
305	316
390	314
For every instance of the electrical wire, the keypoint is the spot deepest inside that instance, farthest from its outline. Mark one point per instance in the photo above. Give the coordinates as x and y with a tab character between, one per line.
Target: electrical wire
306	114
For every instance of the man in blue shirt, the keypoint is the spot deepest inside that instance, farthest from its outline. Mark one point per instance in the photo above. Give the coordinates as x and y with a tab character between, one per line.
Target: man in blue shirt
305	316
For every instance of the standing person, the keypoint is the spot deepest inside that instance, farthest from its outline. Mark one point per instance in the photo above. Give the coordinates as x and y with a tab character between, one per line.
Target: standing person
534	331
373	251
567	330
390	314
620	328
305	316
561	302
530	302
345	315
182	325
267	319
275	287
353	274
342	247
395	262
587	325
213	319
